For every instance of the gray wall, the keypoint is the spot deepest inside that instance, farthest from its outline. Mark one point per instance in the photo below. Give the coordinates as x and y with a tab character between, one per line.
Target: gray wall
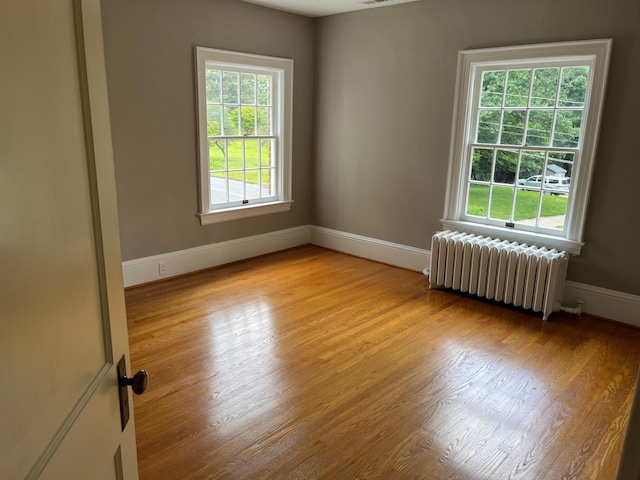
379	117
384	98
149	54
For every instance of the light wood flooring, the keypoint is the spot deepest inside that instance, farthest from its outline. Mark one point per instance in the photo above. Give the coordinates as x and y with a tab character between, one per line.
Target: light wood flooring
310	364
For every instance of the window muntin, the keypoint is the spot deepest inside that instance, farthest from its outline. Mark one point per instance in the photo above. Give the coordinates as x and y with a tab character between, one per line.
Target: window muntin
523	112
244	104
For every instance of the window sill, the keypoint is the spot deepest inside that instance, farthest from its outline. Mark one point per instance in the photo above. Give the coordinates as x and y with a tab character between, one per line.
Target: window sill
247	211
539	239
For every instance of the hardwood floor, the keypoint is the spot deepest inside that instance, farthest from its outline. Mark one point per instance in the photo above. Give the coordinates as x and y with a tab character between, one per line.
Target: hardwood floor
309	364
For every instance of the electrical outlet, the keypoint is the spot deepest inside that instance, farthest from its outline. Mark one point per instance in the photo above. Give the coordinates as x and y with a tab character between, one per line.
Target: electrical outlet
162	268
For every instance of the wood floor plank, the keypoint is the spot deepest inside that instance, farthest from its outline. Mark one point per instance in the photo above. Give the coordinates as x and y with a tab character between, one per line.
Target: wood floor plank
312	364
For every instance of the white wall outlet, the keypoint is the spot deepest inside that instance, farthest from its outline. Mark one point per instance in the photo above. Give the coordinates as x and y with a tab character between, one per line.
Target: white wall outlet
162	268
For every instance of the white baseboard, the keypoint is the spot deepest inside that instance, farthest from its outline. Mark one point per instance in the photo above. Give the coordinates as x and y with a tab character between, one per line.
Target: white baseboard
601	302
605	303
395	254
144	270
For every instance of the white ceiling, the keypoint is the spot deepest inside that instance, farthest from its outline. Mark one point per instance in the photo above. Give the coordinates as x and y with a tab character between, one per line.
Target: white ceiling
321	8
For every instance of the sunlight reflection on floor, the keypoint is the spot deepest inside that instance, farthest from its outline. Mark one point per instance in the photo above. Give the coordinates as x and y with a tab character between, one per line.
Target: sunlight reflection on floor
242	349
477	406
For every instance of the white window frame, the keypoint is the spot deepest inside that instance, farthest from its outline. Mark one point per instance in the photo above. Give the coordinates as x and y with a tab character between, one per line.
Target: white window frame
282	71
471	64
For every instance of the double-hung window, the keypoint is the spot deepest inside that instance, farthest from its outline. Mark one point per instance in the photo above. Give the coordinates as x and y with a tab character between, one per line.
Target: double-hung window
524	138
244	132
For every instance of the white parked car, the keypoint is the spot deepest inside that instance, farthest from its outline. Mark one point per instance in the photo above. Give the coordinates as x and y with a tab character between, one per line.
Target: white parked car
560	185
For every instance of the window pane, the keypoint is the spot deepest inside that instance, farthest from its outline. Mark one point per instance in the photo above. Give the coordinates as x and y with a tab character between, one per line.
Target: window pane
230	121
267	184
545	87
539	128
567	130
252	183
564	160
214	120
252	180
573	86
235	155
230	87
512	127
218	188
248	120
527	202
264	120
501	203
236	186
237	176
481	166
531	164
217	169
518	84
212	79
556	169
488	125
505	168
217	150
251	154
266	148
248	89
554	209
264	89
492	89
478	200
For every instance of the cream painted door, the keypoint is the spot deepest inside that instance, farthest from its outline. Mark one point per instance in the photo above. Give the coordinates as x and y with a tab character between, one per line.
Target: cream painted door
62	323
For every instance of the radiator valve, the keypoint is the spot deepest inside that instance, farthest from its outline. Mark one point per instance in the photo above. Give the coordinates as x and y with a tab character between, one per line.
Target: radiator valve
577	311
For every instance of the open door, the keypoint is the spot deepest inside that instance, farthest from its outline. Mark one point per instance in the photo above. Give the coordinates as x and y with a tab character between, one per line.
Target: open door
63	321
